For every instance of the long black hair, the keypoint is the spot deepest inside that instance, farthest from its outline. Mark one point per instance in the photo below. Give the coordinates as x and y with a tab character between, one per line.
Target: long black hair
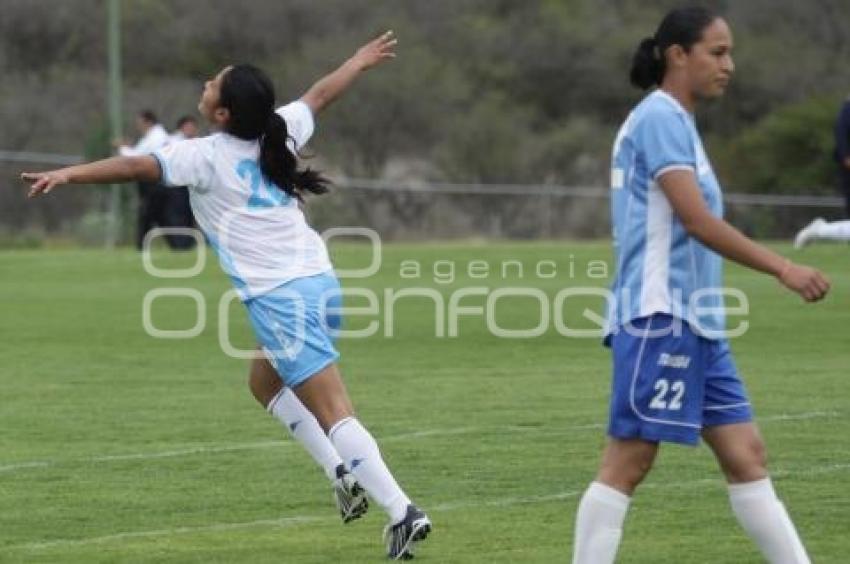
682	26
248	93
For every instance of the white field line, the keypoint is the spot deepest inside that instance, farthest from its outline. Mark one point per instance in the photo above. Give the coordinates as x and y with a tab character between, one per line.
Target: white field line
281	523
444	507
216	449
191	451
23	466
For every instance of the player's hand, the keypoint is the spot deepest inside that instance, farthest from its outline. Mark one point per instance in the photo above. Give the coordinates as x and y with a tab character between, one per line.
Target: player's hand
376	51
846	163
811	284
43	182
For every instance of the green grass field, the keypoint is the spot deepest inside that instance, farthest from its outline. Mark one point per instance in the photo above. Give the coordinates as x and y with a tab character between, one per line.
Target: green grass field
118	447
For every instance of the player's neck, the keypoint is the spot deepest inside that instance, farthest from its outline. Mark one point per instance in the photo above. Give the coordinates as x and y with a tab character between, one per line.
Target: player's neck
679	90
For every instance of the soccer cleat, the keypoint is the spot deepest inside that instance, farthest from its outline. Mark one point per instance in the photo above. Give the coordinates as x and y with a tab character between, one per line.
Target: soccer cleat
401	537
808	233
349	495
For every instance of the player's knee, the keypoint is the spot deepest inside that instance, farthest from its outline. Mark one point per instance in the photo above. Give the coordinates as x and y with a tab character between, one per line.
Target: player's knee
262	387
259	394
331	412
626	475
640	468
750	464
757	457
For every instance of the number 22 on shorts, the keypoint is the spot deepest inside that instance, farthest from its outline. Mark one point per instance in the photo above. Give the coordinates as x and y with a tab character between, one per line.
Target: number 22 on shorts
668	395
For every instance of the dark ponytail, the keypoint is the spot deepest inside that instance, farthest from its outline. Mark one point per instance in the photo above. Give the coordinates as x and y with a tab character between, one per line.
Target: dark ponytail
647	65
683	26
248	93
279	164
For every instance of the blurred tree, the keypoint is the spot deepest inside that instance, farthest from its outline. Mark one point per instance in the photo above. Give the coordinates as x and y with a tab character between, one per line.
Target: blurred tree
483	90
789	151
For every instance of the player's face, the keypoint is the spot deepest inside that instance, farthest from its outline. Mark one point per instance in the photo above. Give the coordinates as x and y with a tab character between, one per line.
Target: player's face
710	65
210	103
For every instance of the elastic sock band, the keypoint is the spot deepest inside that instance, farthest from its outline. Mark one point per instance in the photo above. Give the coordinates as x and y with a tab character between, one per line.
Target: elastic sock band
337	425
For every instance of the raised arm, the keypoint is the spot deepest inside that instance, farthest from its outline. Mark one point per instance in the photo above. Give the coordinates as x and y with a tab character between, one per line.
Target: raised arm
683	193
330	87
115	169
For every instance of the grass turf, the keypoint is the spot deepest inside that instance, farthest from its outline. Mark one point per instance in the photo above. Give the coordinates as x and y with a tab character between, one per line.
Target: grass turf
115	446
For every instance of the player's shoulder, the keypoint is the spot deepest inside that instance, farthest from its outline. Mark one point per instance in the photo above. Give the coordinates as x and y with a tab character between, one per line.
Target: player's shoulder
205	145
660	105
198	151
659	111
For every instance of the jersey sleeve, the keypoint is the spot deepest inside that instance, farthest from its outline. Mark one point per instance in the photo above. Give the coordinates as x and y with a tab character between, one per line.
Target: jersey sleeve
667	143
184	163
299	122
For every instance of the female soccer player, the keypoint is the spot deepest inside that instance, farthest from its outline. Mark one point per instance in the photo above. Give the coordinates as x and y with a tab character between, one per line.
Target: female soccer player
245	191
674	376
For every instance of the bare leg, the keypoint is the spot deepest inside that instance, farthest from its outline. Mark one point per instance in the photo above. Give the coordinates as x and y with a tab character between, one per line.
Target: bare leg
269	390
603	507
740	452
325	396
264	381
625	463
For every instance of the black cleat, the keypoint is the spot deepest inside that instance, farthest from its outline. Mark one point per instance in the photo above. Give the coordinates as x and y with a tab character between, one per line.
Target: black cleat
401	537
349	495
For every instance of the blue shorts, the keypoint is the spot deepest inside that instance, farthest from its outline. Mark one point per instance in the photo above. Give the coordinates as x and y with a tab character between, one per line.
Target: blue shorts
296	324
669	382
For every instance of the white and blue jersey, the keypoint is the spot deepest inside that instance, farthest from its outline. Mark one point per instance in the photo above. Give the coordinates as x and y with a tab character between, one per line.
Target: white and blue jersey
278	264
660	268
259	232
673	370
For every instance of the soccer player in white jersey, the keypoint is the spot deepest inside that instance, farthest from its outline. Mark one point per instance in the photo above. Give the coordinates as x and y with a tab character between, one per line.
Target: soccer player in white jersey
245	190
821	230
674	378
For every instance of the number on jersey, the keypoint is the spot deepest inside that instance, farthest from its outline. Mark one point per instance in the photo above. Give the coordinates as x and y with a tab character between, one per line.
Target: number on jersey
264	194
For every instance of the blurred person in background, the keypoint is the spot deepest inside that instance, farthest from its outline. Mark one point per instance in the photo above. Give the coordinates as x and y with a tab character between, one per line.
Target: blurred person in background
187	128
152	195
822	230
178	210
842	153
819	228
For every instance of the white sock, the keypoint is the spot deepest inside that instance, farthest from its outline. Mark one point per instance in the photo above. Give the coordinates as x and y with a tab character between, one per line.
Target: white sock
834	230
360	452
599	524
305	429
764	518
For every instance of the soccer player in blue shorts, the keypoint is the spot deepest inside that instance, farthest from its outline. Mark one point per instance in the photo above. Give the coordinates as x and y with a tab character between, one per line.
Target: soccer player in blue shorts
674	377
245	190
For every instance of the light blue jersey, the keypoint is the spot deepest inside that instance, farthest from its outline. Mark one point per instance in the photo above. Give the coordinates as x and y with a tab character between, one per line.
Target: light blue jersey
660	268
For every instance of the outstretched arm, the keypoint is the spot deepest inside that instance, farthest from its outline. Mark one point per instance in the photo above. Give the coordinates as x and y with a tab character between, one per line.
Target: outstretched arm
329	88
115	169
682	191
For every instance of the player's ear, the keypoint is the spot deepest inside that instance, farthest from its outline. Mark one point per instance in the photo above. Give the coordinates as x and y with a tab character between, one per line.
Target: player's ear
221	116
677	56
